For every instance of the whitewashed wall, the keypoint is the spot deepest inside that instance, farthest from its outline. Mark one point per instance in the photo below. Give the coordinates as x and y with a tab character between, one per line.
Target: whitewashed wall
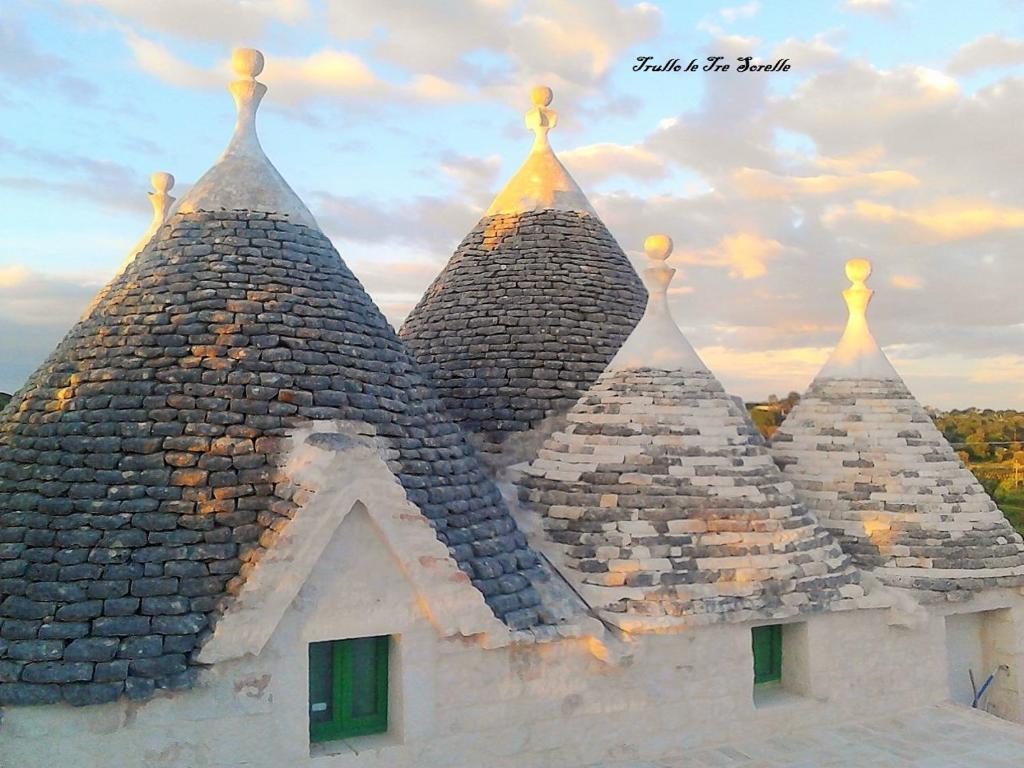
367	564
456	703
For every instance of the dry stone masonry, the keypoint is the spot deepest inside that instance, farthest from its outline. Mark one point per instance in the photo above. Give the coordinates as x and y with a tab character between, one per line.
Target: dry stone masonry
664	499
867	459
141	466
531	307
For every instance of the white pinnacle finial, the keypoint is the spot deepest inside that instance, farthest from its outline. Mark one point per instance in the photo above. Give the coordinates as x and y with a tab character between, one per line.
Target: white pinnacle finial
658	247
858	356
657	342
540	119
542	183
247	63
162	183
243	178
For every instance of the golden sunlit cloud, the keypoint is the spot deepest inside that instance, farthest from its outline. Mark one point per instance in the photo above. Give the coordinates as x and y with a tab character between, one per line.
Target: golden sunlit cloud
787	366
944	220
765	185
157	60
745	254
324	73
599	161
852	162
906	282
999	369
13	275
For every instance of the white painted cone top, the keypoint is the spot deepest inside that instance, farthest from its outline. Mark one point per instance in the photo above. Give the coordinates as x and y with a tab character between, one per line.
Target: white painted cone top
244	178
542	182
657	342
858	356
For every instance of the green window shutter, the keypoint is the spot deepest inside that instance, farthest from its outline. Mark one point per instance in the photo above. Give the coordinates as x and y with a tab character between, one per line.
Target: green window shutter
767	646
353	676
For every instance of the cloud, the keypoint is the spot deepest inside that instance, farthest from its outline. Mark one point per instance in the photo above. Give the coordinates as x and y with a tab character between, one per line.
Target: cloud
883	9
734	13
77	178
22	64
757	183
475	177
231	21
905	282
430	224
566	44
1007	369
943	220
987	52
806	55
597	162
745	255
36	310
157	60
777	370
324	74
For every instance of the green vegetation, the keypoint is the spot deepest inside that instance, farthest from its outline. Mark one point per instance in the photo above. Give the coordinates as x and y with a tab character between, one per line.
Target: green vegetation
4	399
990	443
767	416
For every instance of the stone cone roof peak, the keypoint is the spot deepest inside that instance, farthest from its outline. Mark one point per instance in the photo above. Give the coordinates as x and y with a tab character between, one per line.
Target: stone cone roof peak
542	182
530	309
657	342
660	501
867	459
244	178
858	356
170	415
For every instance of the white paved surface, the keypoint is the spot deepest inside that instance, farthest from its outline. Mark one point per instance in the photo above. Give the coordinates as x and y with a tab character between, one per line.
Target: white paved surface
945	736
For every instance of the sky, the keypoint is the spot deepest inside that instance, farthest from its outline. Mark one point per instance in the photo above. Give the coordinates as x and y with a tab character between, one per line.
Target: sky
895	136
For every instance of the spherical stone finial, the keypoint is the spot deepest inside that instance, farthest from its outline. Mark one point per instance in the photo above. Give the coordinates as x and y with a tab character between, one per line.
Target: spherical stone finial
541	95
162	181
658	247
858	270
247	62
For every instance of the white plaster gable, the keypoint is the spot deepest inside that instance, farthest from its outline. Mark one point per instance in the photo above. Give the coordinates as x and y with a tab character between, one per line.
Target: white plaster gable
542	182
352	590
858	356
342	476
244	178
657	342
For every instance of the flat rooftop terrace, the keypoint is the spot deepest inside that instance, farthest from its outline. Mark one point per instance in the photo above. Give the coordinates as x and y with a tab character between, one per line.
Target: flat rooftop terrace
943	736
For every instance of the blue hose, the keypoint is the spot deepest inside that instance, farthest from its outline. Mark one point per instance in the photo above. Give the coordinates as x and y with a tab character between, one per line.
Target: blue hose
984	686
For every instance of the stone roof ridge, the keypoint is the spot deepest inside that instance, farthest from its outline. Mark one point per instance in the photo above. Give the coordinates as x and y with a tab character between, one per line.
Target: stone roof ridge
657	342
857	355
542	182
244	178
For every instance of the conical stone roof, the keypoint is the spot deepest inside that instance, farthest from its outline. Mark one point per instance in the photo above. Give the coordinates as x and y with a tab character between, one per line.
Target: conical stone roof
141	466
870	463
531	307
661	497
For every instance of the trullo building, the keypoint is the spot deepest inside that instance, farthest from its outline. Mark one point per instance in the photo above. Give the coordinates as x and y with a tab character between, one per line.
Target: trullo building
238	528
665	499
531	307
866	457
